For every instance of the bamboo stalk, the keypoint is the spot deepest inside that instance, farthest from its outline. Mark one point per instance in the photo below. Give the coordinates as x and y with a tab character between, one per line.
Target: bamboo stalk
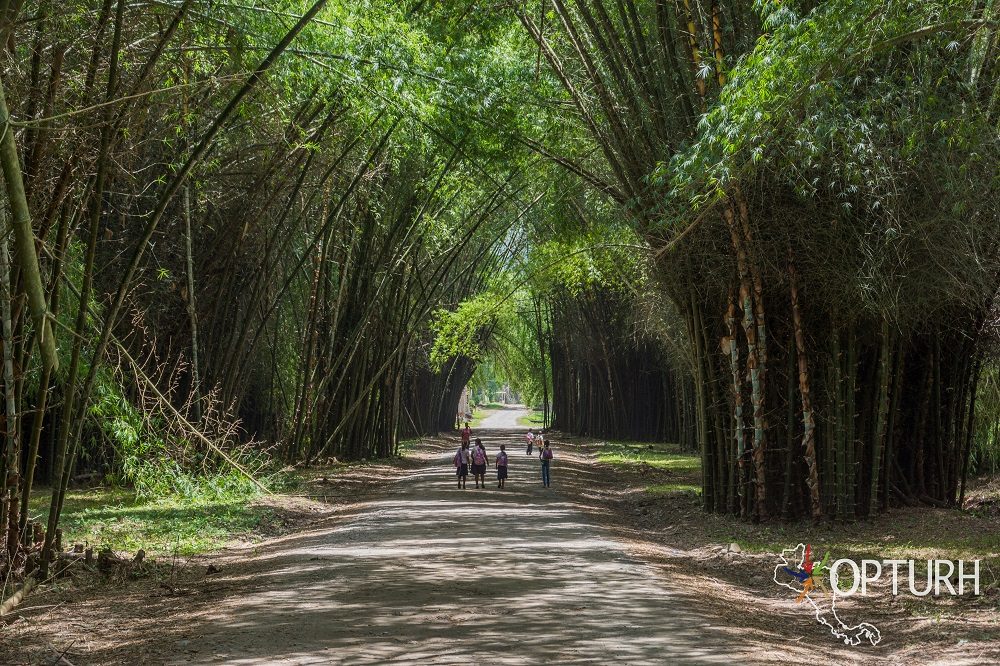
808	422
738	417
12	430
191	308
24	238
720	63
786	499
694	52
880	419
839	440
850	443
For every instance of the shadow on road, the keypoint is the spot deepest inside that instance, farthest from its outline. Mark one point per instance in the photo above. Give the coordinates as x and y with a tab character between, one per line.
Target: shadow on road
433	574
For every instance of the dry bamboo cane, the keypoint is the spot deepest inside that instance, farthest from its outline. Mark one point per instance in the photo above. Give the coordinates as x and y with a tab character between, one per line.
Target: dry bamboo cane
18	596
62	465
808	422
700	402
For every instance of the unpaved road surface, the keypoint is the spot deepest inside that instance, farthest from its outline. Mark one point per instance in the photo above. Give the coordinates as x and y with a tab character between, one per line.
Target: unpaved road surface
505	419
435	575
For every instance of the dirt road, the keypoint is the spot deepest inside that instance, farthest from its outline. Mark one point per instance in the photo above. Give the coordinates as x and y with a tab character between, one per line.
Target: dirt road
432	574
504	419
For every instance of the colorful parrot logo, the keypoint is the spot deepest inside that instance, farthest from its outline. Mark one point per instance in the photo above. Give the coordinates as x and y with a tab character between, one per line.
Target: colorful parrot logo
809	573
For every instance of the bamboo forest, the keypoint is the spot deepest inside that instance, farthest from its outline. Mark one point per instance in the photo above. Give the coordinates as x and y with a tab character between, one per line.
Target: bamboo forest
702	294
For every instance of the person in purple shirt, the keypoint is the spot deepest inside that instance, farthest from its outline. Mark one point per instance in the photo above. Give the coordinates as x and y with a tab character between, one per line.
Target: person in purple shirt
501	462
545	455
480	461
461	460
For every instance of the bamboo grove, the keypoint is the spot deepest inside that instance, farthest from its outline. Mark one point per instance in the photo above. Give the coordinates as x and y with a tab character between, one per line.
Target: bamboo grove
244	235
238	241
817	184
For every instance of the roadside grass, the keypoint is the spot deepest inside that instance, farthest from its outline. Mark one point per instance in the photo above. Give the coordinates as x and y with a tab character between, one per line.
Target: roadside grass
671	488
655	454
684	468
918	533
118	519
406	446
533	419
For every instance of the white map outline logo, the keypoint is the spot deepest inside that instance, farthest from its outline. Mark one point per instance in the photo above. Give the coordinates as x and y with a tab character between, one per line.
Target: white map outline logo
792	568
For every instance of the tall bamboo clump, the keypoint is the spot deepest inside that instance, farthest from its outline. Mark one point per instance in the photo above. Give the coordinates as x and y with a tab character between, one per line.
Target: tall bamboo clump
209	192
610	379
832	256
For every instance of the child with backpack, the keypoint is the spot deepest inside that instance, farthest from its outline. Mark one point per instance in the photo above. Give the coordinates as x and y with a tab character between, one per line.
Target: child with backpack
461	461
545	455
480	461
530	439
501	462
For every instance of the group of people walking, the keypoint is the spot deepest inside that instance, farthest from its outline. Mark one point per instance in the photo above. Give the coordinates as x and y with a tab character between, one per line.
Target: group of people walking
474	456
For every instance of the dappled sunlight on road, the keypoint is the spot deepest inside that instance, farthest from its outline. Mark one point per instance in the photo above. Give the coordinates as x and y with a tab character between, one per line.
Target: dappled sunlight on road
434	574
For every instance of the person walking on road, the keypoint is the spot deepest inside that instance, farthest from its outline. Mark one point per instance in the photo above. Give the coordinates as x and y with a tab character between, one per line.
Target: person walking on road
480	461
462	464
530	439
501	462
545	455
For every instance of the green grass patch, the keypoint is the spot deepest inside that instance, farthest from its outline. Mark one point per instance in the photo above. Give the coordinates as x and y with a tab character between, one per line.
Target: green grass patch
118	519
902	534
673	488
406	446
533	419
658	455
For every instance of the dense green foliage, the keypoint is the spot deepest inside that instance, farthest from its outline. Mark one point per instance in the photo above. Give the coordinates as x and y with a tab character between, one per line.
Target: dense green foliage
274	233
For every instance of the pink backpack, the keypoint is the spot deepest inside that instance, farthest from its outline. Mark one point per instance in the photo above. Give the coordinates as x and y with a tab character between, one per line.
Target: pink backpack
479	456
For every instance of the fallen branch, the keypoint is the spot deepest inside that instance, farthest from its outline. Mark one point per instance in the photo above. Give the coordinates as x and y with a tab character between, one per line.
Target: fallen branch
165	403
18	596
